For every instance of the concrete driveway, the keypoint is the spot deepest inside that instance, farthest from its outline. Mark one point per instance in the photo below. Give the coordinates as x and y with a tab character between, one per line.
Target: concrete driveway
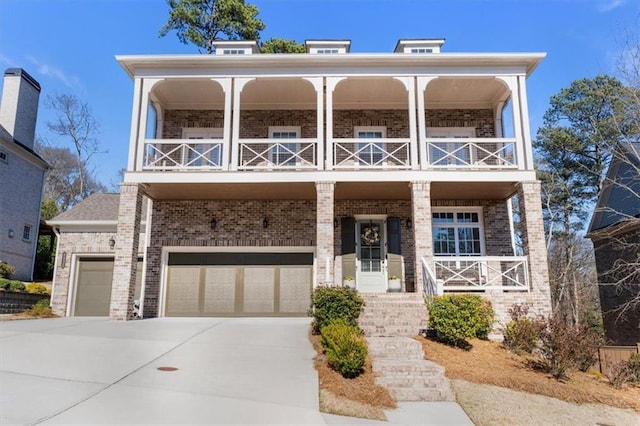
92	370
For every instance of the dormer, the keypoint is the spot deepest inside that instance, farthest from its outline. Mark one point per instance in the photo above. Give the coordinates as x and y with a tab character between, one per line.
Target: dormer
235	47
428	45
327	47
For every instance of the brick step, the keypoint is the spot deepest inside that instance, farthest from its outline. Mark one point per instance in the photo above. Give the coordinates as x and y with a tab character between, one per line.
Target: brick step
398	367
421	394
429	382
400	311
391	330
395	347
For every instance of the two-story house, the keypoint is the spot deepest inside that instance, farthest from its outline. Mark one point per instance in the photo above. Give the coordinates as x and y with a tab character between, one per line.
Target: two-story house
269	174
22	172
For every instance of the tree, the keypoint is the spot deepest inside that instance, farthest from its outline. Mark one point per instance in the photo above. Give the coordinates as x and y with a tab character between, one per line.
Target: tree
280	45
75	124
580	131
66	184
201	22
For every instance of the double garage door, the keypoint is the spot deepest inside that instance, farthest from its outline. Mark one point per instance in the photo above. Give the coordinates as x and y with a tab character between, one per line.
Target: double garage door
238	284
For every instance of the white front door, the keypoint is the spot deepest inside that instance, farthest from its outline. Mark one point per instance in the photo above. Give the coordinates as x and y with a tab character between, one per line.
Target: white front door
371	268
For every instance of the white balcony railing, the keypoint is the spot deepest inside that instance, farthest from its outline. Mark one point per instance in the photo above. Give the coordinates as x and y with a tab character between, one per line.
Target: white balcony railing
471	273
273	154
487	153
430	286
179	154
388	153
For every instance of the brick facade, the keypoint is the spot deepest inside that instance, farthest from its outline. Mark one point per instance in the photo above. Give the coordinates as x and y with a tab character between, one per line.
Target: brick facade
481	119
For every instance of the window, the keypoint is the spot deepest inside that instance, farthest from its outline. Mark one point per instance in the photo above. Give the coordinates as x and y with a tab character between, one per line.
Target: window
26	233
202	154
284	153
421	50
3	156
370	153
457	233
327	51
233	51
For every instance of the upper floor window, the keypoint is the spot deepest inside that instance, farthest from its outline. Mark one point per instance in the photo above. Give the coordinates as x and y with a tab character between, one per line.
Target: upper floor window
421	50
327	51
370	153
3	156
284	153
26	232
450	151
233	51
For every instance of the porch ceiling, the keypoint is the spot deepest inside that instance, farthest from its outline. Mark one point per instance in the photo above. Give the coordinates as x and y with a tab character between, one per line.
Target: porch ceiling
472	190
232	191
472	92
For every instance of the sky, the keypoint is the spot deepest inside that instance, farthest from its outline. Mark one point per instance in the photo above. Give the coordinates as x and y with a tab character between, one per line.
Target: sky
69	46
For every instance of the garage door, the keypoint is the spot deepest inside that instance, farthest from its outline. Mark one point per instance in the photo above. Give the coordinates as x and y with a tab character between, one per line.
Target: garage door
239	284
93	286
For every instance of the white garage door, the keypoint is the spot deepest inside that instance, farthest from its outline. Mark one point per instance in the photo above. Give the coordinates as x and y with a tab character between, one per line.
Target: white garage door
239	284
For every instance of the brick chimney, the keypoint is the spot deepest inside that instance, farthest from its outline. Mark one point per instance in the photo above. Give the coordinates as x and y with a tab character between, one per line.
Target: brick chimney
19	105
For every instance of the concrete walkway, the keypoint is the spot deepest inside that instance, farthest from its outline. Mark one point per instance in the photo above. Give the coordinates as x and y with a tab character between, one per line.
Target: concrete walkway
233	371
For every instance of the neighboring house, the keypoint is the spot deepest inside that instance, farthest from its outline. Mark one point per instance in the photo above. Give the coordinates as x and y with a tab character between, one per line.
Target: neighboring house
269	174
615	233
22	172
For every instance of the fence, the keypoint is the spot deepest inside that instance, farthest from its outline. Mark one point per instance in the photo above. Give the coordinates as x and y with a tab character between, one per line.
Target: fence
611	355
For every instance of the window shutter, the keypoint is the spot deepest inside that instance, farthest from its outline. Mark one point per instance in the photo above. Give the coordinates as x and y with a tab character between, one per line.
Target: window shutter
348	228
393	235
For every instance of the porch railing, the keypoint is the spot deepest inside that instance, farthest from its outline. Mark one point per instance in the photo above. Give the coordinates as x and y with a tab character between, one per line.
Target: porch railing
429	282
177	154
471	273
487	153
387	153
271	154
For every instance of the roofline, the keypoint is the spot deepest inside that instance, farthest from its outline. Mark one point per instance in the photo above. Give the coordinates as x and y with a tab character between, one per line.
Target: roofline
530	60
624	225
78	222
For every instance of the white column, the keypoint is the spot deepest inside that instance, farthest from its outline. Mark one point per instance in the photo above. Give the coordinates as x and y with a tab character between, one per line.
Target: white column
497	114
422	122
238	85
411	105
135	120
319	86
143	114
332	82
512	83
526	130
225	83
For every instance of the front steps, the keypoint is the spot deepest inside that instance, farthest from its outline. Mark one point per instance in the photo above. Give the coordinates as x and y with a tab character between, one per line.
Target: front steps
389	322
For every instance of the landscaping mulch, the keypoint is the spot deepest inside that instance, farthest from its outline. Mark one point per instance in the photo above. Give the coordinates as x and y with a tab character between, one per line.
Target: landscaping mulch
492	364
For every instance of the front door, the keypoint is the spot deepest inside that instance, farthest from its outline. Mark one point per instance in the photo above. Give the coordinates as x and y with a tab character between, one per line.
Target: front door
371	273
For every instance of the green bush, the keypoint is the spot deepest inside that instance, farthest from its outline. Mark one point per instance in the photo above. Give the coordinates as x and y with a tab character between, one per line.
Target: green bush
40	309
345	347
16	286
459	317
329	303
522	332
4	283
6	270
37	289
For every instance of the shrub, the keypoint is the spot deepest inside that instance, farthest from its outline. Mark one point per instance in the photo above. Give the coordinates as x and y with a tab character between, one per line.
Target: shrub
16	285
522	332
345	347
328	303
459	317
6	270
40	309
585	347
557	340
37	289
625	371
4	283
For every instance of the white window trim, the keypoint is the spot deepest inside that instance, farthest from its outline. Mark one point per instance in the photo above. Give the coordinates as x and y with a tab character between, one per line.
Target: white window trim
468	132
358	129
204	132
284	129
31	228
457	209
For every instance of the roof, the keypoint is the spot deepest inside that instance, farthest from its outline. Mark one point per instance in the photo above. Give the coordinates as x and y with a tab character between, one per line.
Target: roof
4	134
98	207
619	200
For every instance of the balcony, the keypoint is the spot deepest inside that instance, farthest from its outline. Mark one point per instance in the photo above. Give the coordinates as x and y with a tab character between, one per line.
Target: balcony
357	154
482	153
471	273
278	154
182	154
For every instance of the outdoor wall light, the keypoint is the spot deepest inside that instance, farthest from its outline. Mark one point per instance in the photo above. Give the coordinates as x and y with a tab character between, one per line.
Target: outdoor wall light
112	243
409	223
11	233
214	223
63	260
336	223
265	223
